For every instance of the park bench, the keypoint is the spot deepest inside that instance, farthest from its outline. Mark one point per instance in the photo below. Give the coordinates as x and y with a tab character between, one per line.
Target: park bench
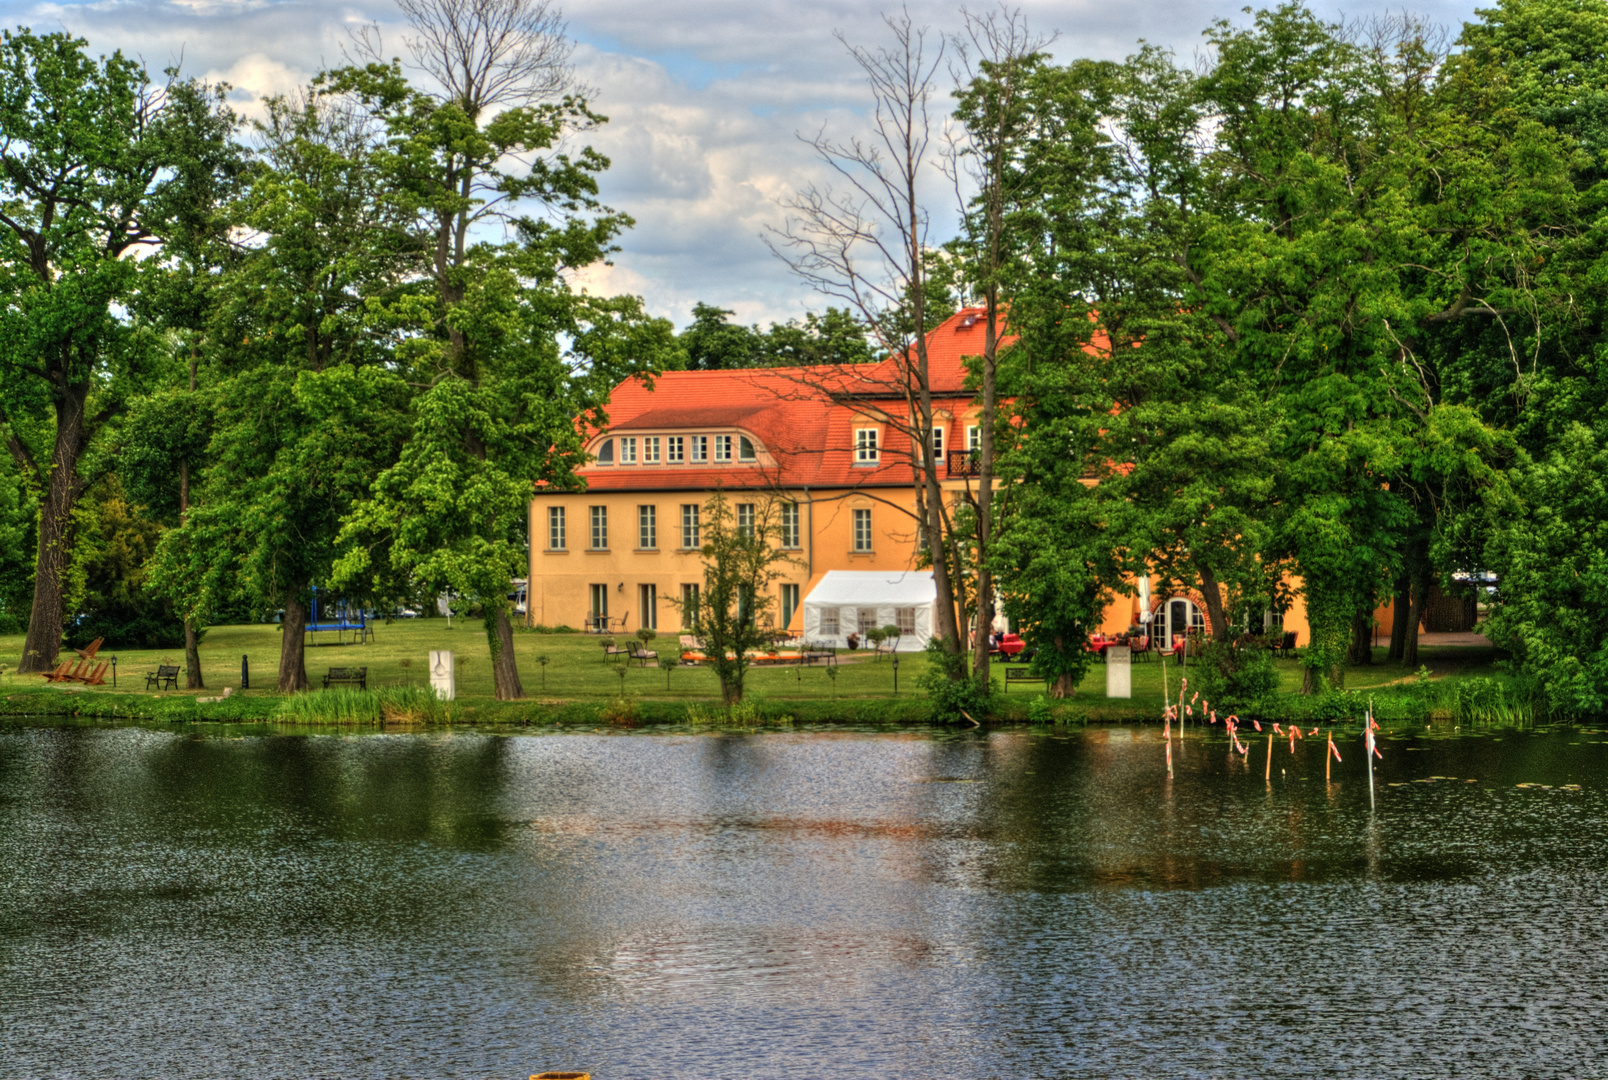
1021	674
165	677
347	676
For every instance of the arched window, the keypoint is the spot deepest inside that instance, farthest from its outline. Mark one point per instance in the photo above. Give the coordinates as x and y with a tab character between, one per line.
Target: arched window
605	452
745	448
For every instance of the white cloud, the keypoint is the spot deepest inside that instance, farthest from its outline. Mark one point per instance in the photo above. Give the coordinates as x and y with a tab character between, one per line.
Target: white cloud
704	99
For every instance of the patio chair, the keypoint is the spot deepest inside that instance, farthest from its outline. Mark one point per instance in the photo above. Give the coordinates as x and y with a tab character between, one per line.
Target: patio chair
1285	646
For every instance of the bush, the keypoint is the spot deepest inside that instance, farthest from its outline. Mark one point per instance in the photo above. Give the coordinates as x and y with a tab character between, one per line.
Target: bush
1235	679
955	691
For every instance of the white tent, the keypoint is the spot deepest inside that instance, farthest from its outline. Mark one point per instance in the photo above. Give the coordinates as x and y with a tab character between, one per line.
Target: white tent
853	601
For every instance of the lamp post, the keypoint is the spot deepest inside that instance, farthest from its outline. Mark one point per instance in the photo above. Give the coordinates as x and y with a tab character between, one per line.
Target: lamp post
114	671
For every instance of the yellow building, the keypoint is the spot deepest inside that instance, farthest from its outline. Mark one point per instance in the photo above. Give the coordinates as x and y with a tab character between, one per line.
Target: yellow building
623	553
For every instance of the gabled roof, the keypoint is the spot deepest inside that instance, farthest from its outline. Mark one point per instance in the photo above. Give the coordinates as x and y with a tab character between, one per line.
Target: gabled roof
803	416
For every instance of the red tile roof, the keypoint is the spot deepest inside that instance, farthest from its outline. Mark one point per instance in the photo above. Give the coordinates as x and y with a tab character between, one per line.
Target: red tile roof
804	417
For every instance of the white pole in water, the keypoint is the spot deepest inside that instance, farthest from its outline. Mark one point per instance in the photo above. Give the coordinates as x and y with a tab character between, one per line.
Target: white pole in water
1367	749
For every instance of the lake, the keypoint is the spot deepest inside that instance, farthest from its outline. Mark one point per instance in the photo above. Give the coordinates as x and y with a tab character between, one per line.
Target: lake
800	904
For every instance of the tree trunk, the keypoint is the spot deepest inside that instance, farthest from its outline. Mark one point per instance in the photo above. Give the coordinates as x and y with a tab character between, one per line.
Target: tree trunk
504	668
1420	597
293	647
1062	687
1212	592
1400	611
1361	652
985	490
192	640
43	644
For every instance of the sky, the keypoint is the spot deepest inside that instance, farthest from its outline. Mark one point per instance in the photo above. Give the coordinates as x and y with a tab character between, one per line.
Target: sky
706	101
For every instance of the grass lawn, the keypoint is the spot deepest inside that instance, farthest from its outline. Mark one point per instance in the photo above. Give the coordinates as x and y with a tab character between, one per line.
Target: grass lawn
575	671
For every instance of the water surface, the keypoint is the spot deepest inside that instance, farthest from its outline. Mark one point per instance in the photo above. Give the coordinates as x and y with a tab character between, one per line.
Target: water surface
799	905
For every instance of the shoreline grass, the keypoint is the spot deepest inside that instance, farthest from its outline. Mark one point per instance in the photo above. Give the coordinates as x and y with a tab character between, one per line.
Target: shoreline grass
576	686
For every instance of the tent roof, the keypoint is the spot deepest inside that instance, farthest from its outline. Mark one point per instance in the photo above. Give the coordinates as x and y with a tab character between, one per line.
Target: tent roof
867	588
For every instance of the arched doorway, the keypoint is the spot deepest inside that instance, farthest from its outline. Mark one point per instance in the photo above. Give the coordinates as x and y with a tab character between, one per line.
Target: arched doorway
1180	615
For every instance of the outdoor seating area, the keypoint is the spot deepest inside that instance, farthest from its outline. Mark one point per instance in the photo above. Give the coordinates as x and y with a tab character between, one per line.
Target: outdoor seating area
87	670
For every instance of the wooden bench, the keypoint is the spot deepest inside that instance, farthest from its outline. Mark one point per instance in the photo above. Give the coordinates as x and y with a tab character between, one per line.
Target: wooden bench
347	676
1021	674
165	677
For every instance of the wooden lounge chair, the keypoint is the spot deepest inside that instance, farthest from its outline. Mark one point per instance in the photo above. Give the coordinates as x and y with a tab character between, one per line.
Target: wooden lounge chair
60	672
88	651
98	676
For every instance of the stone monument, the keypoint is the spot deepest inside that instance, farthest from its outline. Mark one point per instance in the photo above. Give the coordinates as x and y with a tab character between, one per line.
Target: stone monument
443	676
1119	671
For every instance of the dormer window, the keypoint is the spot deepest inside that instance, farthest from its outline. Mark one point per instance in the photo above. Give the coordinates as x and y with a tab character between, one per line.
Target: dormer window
866	450
745	448
650	450
700	447
722	447
605	452
675	449
628	451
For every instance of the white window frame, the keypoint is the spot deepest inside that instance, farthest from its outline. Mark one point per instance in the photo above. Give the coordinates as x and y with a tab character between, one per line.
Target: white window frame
867	446
647	527
862	530
790	519
605	452
648	601
745	519
905	619
691	531
974	437
675	449
628	450
599	520
699	448
555	529
745	449
937	443
689	607
722	447
650	450
790	604
829	622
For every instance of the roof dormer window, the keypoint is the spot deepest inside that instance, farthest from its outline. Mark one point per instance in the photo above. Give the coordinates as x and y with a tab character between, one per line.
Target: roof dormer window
745	448
699	447
628	451
722	447
605	452
866	449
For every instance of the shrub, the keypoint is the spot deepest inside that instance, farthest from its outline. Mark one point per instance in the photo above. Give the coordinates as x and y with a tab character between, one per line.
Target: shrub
1234	679
955	691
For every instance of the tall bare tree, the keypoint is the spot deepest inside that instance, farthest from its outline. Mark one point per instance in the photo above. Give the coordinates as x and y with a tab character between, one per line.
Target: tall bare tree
866	243
996	55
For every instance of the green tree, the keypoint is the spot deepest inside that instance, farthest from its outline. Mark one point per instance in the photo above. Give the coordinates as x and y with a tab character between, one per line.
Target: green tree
485	342
97	163
713	344
305	407
833	337
741	564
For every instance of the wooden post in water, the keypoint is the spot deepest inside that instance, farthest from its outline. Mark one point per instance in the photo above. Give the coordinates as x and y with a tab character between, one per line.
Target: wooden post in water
1268	775
1328	758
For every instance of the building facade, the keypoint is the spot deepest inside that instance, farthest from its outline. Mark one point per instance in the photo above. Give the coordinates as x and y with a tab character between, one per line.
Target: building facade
828	448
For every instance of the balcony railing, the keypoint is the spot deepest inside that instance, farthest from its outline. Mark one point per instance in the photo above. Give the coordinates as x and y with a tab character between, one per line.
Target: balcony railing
965	462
